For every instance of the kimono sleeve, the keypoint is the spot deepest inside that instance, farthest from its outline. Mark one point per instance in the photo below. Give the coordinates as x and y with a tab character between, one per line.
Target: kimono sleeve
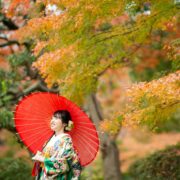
58	164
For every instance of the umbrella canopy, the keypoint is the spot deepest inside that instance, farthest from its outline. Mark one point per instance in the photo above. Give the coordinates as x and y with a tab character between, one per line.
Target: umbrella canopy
32	121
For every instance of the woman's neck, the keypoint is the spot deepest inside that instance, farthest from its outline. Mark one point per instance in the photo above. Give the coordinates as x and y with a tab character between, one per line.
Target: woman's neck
59	132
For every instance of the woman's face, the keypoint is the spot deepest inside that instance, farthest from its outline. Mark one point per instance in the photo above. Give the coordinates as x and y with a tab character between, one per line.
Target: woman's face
56	124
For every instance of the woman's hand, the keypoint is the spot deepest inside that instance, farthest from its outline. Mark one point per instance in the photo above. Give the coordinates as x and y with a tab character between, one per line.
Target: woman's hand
38	157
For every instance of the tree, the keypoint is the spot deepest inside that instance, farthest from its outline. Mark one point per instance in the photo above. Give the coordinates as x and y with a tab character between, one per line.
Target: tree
75	42
154	102
17	77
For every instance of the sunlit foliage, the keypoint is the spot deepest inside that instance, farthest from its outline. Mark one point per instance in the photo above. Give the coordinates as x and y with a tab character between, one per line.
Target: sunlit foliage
91	35
150	103
75	42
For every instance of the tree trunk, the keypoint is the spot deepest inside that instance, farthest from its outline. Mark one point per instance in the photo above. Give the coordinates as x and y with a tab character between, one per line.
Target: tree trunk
109	150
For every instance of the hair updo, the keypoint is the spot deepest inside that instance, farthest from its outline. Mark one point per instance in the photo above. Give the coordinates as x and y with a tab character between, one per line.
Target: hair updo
64	115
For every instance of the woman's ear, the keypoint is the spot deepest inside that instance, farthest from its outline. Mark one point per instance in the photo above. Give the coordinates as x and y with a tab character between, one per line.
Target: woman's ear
64	124
65	127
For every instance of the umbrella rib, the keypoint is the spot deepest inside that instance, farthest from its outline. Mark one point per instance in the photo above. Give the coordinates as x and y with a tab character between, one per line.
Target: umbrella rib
19	132
58	99
88	145
80	137
33	119
74	106
29	124
95	142
92	139
35	107
79	122
50	105
39	115
55	100
67	103
44	143
33	135
35	141
88	134
40	99
92	135
71	105
82	152
23	118
52	102
82	117
34	113
80	141
76	141
94	130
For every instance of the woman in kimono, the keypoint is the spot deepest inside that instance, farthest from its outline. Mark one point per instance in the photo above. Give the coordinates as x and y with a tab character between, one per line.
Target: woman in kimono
59	160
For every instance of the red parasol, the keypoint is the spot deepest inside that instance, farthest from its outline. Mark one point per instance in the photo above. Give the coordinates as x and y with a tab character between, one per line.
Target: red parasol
32	120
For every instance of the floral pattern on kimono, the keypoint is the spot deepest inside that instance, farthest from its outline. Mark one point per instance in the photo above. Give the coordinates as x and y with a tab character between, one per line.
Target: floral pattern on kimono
61	159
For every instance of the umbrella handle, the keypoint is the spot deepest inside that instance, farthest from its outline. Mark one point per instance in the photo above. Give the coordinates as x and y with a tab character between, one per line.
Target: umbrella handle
35	169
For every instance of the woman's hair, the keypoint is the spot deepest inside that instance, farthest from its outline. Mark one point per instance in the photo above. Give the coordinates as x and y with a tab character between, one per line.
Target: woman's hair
64	115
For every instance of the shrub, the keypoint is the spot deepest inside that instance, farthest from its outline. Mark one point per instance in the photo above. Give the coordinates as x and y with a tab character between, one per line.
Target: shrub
16	169
161	165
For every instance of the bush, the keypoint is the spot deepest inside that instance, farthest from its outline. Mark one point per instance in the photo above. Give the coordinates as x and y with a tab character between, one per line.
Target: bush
16	169
161	165
94	171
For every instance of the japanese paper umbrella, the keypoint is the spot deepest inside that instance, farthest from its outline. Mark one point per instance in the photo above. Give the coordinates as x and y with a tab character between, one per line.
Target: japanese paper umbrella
32	121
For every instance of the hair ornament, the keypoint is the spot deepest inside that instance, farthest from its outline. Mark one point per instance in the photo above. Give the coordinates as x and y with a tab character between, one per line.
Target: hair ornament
70	126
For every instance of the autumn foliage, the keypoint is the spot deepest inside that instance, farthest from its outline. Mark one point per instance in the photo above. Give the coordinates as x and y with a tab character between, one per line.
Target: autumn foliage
75	42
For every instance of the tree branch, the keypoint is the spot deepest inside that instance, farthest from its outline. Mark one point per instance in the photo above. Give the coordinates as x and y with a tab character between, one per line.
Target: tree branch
38	86
9	43
9	23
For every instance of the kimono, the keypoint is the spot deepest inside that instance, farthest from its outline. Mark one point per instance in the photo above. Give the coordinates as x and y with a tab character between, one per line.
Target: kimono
61	160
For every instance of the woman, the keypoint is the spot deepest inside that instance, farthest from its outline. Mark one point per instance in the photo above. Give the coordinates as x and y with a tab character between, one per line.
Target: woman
59	160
